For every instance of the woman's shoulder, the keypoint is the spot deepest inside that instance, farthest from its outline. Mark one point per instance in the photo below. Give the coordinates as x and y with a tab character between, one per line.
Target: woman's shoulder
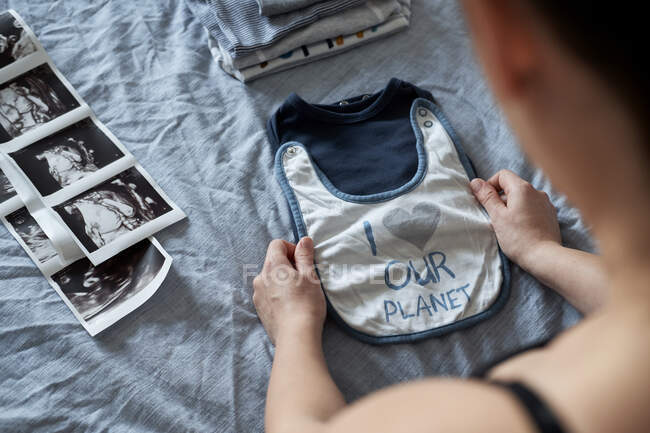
594	376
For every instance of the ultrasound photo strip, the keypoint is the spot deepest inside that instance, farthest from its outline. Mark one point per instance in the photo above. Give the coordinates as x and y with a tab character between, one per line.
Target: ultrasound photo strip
62	171
98	296
77	180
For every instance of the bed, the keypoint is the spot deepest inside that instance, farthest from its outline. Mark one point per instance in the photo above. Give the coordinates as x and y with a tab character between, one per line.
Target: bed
195	357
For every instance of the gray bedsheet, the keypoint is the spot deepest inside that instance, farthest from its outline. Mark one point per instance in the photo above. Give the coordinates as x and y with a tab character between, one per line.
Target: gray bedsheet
195	357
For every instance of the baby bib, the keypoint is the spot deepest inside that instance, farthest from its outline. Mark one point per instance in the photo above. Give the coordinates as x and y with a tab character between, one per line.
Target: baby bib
414	262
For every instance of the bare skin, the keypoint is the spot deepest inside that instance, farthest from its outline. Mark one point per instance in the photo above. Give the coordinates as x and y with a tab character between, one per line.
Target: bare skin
594	376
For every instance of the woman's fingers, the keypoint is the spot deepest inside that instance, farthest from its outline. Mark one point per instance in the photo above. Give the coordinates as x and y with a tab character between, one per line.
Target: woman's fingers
304	256
487	195
280	252
505	180
291	249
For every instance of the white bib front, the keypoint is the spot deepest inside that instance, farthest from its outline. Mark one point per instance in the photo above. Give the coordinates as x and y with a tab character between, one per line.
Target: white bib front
401	265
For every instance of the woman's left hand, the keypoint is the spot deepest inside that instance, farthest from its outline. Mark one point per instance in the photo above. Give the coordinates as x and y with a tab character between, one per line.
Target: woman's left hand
287	293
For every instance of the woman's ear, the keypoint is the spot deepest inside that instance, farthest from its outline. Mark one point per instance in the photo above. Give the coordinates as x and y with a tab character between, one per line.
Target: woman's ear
505	40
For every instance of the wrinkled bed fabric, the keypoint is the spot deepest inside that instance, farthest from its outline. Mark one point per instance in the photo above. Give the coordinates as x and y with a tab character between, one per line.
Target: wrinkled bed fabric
195	357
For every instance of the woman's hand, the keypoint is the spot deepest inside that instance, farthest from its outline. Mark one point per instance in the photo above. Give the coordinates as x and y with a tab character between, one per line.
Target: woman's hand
523	218
287	293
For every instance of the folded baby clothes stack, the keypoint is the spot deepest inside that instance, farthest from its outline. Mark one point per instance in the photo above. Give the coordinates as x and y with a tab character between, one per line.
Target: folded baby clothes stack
253	38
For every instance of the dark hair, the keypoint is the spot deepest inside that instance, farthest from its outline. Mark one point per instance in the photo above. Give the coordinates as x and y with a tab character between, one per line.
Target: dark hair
609	37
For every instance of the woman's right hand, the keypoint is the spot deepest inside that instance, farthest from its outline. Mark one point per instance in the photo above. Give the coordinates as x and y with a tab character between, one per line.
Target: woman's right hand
523	218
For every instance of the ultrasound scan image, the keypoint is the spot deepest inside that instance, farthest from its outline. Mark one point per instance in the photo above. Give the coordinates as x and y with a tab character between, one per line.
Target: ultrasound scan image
32	234
112	209
14	41
67	156
97	289
6	188
31	99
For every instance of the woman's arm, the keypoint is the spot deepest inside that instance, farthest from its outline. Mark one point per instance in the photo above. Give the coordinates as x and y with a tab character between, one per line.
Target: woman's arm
302	396
526	226
576	275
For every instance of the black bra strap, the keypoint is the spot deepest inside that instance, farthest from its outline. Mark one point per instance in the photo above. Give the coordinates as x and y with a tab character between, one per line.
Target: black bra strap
543	417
